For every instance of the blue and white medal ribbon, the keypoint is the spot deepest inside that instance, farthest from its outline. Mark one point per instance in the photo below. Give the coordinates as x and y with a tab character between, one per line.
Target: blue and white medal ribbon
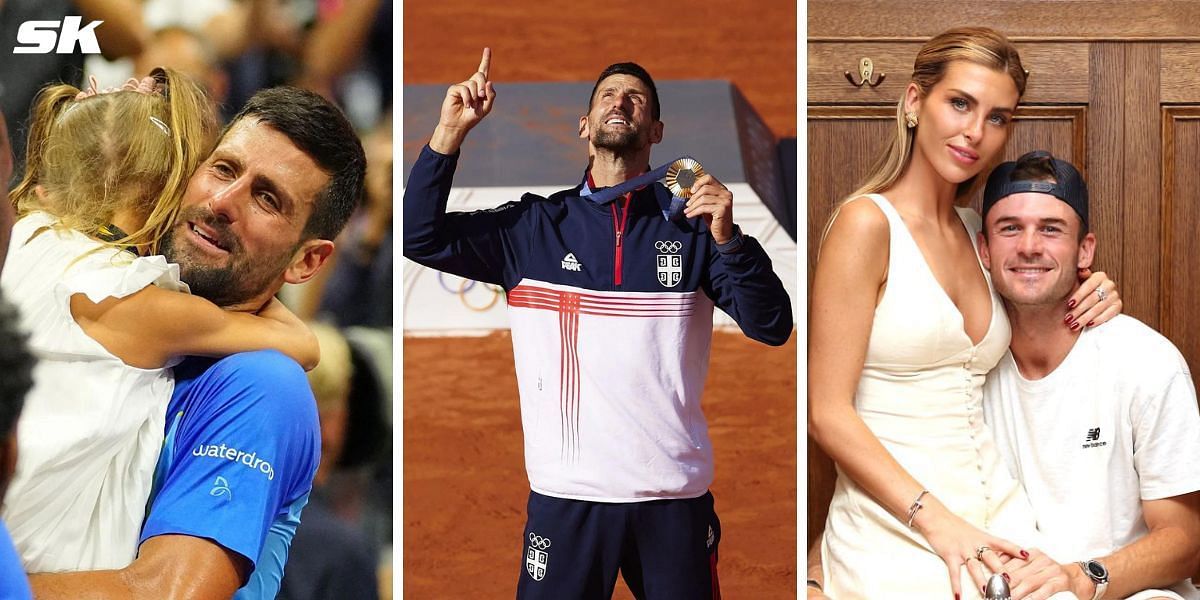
679	176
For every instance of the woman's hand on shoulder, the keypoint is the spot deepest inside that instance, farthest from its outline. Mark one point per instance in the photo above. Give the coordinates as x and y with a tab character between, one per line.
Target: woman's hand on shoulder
1095	302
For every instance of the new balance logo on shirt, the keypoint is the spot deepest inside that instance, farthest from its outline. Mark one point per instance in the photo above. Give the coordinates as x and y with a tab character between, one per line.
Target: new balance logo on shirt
1093	439
570	264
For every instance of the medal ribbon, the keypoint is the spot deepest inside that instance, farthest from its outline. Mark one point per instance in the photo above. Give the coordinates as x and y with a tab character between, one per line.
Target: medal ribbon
671	212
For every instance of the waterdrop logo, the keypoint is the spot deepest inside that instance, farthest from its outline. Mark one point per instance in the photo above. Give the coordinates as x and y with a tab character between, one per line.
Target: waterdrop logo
247	459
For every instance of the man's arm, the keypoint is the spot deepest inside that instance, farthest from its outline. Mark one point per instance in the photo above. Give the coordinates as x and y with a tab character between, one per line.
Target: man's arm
168	567
741	282
479	245
1166	555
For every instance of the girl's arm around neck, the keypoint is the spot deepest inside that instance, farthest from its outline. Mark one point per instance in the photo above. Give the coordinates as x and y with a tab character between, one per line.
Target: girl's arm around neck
149	328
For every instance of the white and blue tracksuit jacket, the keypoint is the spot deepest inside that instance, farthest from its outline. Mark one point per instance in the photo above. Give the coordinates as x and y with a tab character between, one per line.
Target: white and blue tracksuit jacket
611	313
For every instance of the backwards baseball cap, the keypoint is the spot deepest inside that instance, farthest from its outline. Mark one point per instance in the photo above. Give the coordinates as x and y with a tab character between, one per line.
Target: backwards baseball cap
1068	184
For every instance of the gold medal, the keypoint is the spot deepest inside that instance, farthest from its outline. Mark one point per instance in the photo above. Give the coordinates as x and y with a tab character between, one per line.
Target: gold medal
681	175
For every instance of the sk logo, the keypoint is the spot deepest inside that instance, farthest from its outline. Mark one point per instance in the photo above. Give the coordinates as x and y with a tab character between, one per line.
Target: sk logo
44	37
221	488
536	557
670	264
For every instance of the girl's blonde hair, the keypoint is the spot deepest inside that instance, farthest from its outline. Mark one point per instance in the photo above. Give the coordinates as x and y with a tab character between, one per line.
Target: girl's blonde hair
978	45
103	153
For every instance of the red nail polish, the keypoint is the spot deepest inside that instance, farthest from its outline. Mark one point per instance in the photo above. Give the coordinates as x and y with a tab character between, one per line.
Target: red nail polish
1068	319
956	597
1091	324
1006	577
1074	326
983	590
1071	303
1024	554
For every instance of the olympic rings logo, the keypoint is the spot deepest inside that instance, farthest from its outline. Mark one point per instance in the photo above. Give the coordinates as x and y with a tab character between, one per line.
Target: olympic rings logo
538	541
466	285
669	247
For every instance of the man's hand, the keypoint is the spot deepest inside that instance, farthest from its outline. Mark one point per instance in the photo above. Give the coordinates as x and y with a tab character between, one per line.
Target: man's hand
466	104
1038	577
713	200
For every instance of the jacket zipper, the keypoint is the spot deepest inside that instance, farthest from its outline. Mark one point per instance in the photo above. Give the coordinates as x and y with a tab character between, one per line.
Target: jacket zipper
619	228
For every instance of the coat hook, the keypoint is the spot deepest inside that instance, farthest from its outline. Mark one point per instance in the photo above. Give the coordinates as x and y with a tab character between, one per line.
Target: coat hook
865	68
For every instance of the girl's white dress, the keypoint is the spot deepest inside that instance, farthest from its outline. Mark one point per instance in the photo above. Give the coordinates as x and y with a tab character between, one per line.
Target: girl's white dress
921	394
92	426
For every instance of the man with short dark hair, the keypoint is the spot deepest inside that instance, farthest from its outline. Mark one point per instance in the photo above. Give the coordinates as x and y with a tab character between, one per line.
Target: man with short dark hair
610	295
1099	424
242	439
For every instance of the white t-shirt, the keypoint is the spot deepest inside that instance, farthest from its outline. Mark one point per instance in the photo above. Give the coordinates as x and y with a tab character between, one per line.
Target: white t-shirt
92	426
1115	424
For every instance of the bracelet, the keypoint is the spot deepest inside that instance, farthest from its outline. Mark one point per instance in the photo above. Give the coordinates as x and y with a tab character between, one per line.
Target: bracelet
813	583
915	506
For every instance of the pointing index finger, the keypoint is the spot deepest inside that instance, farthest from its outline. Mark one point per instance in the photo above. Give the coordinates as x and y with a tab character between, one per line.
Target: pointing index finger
485	62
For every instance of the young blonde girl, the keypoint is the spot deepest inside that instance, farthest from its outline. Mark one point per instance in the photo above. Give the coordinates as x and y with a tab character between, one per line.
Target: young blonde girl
105	174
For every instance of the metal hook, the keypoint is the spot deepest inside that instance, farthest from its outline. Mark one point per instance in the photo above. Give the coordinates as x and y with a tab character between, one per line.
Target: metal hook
865	68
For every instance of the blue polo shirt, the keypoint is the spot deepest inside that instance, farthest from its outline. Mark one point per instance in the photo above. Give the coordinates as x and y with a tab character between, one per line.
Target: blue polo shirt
14	585
241	449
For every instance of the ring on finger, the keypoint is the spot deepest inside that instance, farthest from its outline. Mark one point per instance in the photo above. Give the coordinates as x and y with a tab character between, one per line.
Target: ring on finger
979	552
1100	294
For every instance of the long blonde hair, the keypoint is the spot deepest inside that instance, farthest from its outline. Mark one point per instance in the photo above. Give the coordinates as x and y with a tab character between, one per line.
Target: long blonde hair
978	45
103	153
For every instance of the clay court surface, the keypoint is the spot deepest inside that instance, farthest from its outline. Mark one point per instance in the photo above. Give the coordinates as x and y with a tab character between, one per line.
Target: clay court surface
464	477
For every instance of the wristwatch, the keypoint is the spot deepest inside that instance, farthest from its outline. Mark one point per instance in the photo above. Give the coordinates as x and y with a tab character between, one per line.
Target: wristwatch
1098	574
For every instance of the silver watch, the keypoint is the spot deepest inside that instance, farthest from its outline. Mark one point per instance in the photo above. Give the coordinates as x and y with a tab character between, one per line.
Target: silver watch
1098	574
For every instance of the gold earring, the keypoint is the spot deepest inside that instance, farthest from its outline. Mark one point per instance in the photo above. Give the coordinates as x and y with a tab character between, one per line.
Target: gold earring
910	119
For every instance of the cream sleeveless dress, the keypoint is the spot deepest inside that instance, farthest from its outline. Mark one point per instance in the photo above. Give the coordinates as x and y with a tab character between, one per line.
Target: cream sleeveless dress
921	394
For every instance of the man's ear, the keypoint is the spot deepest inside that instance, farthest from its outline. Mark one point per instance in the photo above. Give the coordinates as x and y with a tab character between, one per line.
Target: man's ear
985	254
583	127
308	260
656	132
1087	251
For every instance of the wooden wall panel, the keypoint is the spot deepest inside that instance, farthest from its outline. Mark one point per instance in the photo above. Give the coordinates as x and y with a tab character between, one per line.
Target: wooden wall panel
1179	73
1058	72
849	20
1142	165
842	144
1180	253
1105	143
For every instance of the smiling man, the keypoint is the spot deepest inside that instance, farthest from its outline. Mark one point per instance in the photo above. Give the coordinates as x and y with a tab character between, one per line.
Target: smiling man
1099	425
610	305
242	440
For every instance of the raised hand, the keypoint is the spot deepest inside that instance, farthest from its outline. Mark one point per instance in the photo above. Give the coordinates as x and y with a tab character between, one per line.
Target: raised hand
713	200
465	105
